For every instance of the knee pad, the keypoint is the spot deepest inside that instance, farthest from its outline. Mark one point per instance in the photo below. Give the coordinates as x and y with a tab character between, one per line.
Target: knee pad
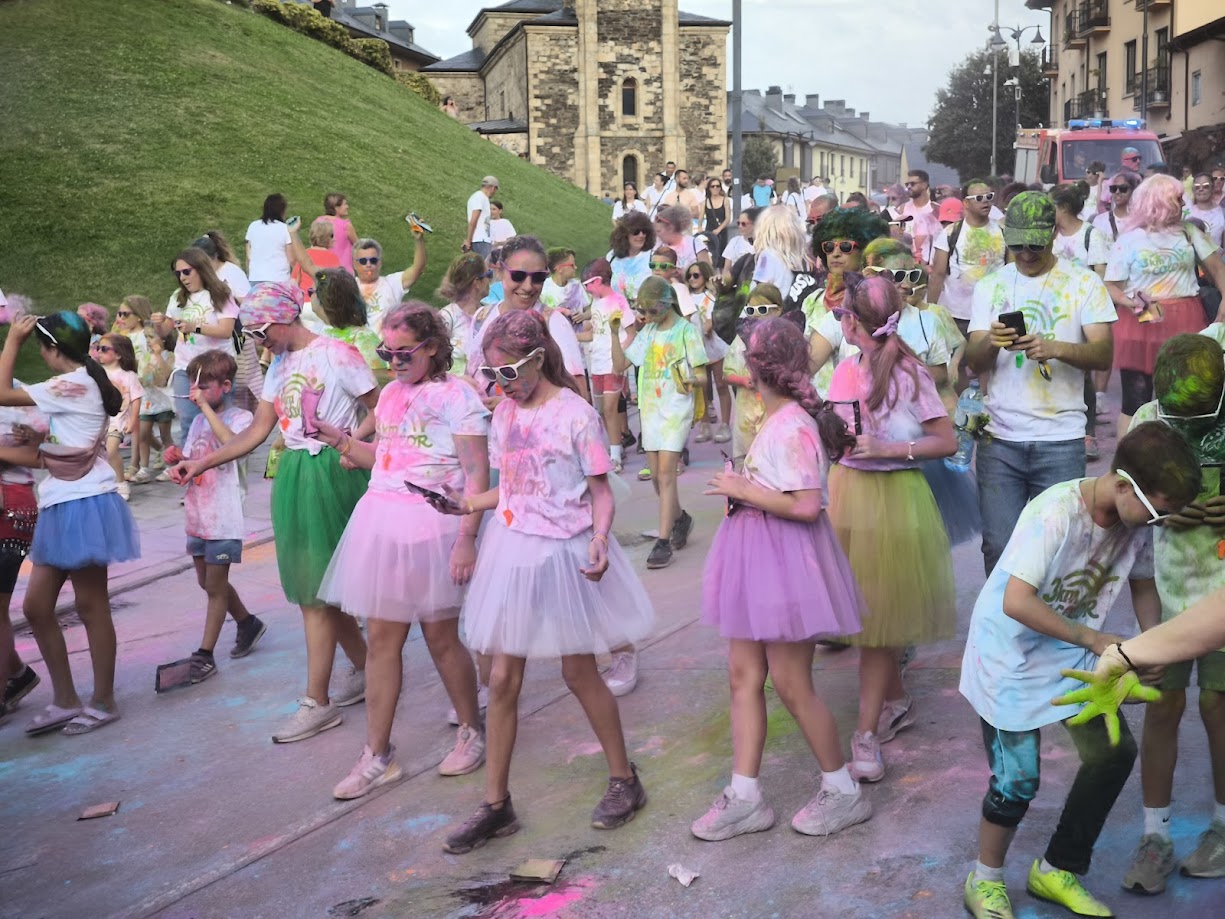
1002	811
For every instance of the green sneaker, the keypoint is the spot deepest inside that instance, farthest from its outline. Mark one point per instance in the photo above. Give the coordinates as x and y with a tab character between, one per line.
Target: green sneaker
1208	859
987	899
1064	888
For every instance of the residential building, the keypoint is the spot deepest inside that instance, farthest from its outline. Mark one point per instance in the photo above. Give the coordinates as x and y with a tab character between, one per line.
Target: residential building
597	96
373	22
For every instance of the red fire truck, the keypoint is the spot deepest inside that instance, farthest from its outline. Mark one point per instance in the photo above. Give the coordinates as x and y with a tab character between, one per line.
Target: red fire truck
1054	155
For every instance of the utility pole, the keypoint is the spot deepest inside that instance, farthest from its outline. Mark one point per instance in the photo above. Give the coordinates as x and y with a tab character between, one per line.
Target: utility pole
1144	69
995	91
737	105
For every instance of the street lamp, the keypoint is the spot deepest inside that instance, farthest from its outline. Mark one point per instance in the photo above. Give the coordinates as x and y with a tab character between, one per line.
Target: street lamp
997	44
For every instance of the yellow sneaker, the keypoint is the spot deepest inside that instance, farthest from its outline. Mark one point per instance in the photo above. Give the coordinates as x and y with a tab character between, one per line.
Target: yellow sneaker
987	899
1064	888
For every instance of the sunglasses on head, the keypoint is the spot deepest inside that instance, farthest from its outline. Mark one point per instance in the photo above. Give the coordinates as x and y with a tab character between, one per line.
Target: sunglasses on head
182	272
898	274
507	373
842	245
403	355
1169	419
258	334
537	277
1119	189
368	260
1155	519
986	196
662	266
1027	247
750	312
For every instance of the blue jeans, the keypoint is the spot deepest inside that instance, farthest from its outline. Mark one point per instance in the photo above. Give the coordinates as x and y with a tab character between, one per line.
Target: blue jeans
1010	475
184	407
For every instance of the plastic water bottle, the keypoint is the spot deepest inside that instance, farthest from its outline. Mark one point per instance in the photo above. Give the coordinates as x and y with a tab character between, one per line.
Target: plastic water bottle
966	420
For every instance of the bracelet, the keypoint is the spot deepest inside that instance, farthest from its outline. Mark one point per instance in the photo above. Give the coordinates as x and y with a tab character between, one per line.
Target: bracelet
910	451
348	446
1118	646
602	538
468	507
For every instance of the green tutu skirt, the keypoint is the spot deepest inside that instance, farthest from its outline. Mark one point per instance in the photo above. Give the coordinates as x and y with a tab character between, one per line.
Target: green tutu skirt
892	533
312	498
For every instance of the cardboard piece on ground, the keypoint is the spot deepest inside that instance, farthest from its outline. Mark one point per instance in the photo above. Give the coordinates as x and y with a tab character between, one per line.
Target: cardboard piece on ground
544	870
172	675
99	810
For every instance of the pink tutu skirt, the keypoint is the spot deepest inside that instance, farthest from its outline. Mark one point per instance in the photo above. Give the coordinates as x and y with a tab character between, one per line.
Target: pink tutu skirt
770	579
528	597
394	561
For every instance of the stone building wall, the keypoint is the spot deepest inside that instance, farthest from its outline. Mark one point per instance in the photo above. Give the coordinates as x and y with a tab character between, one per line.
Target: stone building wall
703	82
468	90
630	47
553	98
493	27
506	81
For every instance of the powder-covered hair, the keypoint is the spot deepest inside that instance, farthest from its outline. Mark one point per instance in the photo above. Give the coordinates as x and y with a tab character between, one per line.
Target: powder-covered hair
619	242
427	325
96	316
658	290
874	301
338	299
123	348
463	272
885	248
69	334
599	268
676	216
1161	461
218	290
777	355
1188	375
1155	205
517	244
215	366
779	231
853	223
517	333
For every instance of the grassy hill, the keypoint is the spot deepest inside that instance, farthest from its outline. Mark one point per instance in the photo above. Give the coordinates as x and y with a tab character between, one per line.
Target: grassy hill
131	126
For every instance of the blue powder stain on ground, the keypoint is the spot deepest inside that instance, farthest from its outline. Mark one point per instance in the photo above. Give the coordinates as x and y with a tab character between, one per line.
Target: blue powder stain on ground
344	845
426	823
236	702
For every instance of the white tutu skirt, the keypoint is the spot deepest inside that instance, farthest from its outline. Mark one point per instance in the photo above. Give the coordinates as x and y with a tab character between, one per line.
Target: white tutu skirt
529	599
394	561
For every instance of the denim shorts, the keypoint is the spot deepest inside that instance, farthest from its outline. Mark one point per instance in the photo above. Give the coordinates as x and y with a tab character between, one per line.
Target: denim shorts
215	551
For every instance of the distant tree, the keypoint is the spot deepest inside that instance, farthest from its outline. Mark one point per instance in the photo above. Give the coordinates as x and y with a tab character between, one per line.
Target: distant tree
758	159
960	126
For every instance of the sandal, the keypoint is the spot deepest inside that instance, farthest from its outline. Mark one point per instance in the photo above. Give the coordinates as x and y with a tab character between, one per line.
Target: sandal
90	719
51	718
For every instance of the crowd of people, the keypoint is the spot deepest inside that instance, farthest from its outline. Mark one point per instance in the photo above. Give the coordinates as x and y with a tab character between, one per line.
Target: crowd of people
458	467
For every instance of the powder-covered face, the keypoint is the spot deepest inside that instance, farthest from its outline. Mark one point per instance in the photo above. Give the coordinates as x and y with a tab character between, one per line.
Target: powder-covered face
521	388
370	271
912	293
524	294
408	368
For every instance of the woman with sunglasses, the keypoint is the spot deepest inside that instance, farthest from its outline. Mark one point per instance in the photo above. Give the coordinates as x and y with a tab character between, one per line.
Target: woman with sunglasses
399	562
878	488
628	202
1117	200
715	217
1202	208
115	353
464	286
83	525
699	284
632	241
550	579
740	245
312	378
381	291
673	228
1152	280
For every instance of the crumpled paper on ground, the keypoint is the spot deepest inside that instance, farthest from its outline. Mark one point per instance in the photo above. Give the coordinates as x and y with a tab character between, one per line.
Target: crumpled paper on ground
682	874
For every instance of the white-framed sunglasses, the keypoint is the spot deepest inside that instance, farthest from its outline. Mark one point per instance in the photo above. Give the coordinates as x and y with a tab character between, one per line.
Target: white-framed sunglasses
1155	519
507	373
913	275
258	334
752	312
986	196
1170	419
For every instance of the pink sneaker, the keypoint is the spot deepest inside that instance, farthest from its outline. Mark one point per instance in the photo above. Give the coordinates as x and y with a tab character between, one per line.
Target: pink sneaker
468	754
370	772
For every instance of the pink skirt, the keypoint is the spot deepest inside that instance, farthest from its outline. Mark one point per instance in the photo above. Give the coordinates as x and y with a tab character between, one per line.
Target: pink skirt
394	561
770	579
1136	344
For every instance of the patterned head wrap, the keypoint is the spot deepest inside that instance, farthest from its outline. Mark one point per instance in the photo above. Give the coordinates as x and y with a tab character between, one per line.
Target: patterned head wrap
278	302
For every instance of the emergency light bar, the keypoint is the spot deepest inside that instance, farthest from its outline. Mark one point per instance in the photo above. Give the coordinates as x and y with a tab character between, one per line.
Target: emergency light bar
1131	124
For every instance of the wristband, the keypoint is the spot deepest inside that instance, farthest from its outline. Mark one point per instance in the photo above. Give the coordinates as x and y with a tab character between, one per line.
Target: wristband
1118	646
348	446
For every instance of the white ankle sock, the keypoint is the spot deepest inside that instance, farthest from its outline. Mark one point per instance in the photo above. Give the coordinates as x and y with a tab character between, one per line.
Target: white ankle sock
1218	815
840	781
615	450
1157	821
983	873
1046	866
746	789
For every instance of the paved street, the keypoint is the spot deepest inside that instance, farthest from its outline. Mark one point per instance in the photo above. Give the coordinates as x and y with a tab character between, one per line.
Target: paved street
216	821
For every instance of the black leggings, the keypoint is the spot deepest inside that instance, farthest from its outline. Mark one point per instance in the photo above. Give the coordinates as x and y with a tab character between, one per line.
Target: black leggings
1137	390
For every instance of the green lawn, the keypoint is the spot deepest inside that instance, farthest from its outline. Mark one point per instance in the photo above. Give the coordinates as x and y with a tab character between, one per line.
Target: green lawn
130	126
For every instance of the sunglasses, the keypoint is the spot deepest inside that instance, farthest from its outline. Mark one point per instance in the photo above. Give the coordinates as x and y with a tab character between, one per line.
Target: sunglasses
1119	189
638	232
403	355
1171	419
1218	178
102	349
989	196
750	312
259	334
1132	156
662	266
538	277
898	274
744	223
1155	519
507	373
841	312
368	260
123	314
695	276
1196	186
842	245
181	272
1027	247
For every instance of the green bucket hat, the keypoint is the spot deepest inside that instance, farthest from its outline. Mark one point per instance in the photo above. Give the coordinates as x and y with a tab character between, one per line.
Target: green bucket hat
1030	220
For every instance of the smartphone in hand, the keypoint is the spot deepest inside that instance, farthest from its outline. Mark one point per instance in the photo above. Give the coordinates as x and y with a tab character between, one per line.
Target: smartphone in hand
434	497
1014	320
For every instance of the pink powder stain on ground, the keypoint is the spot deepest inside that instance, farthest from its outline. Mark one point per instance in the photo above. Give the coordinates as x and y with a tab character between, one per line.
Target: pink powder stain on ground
584	749
552	903
654	746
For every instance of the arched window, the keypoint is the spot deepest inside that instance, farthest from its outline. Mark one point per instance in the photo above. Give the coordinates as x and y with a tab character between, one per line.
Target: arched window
629	97
629	170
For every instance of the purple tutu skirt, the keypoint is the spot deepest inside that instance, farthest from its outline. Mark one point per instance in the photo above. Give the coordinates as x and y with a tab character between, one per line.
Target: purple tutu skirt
770	579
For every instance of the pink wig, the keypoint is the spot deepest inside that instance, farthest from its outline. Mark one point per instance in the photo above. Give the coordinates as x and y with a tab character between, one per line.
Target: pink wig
96	317
1156	204
16	307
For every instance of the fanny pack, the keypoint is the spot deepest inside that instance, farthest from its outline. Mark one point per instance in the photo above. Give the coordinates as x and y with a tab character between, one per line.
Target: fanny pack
68	464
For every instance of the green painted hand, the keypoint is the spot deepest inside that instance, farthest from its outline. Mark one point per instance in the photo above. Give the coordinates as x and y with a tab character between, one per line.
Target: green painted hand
1103	695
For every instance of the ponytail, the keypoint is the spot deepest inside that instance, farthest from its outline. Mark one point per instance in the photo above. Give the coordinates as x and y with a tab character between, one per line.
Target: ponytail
112	398
874	302
68	333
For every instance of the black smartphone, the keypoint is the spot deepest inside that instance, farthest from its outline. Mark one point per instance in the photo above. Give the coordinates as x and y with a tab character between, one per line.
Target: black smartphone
432	496
1014	320
858	419
729	466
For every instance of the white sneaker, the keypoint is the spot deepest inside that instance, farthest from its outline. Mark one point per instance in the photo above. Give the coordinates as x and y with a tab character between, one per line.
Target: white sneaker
164	476
467	755
482	703
125	490
142	476
370	772
350	688
622	674
1103	404
158	461
830	811
895	717
732	816
866	762
310	719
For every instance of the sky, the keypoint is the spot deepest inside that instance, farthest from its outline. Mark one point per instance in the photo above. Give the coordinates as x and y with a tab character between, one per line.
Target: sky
812	46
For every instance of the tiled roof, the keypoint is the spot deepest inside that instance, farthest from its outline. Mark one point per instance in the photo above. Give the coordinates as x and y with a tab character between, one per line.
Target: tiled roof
468	62
499	126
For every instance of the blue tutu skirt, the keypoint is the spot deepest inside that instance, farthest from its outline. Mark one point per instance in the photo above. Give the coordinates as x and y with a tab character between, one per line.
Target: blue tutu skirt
98	530
956	494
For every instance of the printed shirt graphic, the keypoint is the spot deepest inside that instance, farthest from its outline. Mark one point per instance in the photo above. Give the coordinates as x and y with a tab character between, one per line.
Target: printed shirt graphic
382	296
980	251
1072	247
787	454
416	427
572	297
1057	305
327	364
667	413
629	273
913	405
199	311
461	326
73	407
1160	264
750	412
603	310
1009	672
214	498
544	456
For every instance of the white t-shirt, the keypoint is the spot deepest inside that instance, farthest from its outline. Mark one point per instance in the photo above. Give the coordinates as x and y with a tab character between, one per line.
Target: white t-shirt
787	453
1214	220
327	364
269	262
980	251
1103	222
1089	211
1057	305
9	416
619	209
461	325
1162	264
76	418
479	201
603	309
770	269
563	333
1073	249
736	247
797	202
200	310
812	193
236	279
500	230
213	503
384	295
919	329
651	195
686	250
1009	672
129	386
924	229
573	296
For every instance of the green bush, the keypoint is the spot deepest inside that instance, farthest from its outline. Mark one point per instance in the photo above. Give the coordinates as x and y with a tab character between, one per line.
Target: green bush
373	52
421	85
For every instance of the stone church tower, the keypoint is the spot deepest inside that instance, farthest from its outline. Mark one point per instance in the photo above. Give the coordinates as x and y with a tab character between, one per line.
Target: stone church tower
597	91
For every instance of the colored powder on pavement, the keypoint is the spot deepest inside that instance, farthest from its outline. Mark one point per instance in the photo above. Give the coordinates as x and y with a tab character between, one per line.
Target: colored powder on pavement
551	903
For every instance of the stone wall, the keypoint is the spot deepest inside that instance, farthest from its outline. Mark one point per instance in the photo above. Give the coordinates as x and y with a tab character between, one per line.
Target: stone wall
703	82
613	149
506	82
468	90
493	26
554	98
513	143
630	47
